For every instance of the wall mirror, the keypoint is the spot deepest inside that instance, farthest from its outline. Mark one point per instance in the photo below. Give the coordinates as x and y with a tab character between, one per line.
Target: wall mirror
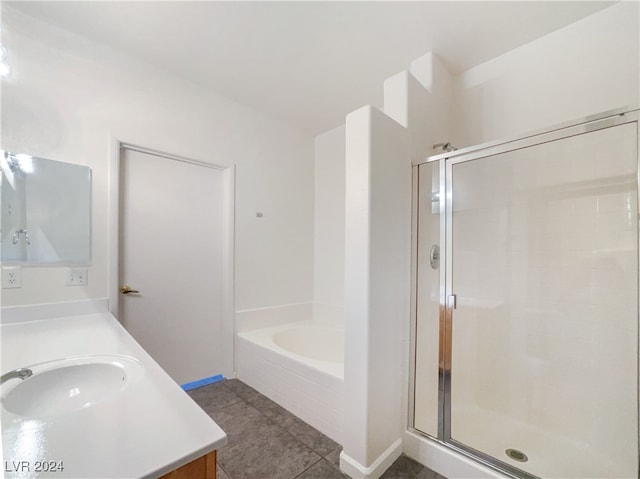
45	211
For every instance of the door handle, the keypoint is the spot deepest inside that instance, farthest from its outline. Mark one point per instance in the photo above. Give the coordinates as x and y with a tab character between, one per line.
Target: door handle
452	301
126	289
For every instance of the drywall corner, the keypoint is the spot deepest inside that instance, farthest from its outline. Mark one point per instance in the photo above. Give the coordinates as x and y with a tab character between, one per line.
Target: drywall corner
396	98
431	73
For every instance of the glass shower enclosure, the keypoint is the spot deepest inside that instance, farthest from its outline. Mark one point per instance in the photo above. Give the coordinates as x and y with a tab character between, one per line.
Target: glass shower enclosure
526	301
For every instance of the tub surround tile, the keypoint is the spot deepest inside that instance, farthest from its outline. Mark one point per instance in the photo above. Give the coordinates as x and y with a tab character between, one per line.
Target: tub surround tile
322	470
312	389
251	319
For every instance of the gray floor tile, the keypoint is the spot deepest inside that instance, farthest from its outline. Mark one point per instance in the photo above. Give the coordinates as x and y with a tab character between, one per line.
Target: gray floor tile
270	408
220	474
296	426
403	468
241	421
427	473
334	456
213	396
271	453
309	435
265	441
241	389
322	470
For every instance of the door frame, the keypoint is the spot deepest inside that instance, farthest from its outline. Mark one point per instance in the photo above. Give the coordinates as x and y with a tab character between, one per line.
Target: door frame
228	240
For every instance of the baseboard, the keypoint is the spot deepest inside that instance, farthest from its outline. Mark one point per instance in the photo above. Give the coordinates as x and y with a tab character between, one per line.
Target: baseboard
357	471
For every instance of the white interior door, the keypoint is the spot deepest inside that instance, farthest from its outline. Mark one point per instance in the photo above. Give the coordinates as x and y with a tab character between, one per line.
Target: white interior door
171	252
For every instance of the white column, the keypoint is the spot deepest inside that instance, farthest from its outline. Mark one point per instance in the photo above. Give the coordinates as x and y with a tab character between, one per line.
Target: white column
377	270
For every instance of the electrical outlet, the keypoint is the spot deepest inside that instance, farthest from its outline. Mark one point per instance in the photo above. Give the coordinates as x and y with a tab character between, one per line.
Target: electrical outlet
11	277
76	277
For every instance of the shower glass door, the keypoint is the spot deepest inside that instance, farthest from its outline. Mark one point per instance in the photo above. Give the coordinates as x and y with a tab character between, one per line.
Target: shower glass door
538	352
429	289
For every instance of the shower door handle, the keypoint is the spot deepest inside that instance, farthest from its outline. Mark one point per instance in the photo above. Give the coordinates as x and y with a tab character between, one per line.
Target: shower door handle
451	301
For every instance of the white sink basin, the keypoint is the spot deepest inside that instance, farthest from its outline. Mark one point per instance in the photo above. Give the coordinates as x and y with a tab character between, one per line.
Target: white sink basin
69	385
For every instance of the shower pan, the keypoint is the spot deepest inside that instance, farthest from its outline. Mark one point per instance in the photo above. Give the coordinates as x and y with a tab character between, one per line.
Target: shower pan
525	301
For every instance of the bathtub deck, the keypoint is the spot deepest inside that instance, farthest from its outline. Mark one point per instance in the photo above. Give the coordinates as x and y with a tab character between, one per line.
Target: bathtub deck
268	442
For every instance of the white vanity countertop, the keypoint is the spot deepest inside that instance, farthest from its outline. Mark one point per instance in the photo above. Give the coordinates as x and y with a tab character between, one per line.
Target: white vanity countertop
149	429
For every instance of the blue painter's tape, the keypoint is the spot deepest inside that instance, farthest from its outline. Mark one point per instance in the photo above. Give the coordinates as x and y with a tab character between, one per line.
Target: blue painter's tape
202	382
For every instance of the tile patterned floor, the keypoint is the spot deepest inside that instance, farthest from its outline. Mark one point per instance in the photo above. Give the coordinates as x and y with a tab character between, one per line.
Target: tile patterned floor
265	441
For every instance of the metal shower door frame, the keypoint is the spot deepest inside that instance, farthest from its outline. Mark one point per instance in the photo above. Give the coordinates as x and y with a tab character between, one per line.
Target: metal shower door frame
446	162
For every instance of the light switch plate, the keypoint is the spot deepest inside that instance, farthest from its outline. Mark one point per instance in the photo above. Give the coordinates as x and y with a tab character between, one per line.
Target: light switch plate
11	277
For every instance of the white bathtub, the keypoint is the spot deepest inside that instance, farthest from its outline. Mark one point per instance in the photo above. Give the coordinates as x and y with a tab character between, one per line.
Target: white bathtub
299	365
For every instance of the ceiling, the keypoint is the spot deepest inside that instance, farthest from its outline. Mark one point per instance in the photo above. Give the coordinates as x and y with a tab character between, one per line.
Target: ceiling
307	63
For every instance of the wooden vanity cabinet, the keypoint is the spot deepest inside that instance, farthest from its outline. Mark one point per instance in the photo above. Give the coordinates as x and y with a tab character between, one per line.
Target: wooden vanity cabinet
202	468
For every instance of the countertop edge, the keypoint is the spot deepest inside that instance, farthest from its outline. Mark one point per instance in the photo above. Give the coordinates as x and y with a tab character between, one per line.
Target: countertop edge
94	325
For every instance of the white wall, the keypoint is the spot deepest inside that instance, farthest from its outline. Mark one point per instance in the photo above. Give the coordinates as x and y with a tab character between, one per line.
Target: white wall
421	100
587	67
328	271
69	98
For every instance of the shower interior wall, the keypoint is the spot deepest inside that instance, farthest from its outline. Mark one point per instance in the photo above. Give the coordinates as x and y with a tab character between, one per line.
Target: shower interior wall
585	68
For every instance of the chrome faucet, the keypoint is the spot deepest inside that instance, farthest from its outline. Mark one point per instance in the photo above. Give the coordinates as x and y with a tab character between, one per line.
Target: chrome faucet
20	373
